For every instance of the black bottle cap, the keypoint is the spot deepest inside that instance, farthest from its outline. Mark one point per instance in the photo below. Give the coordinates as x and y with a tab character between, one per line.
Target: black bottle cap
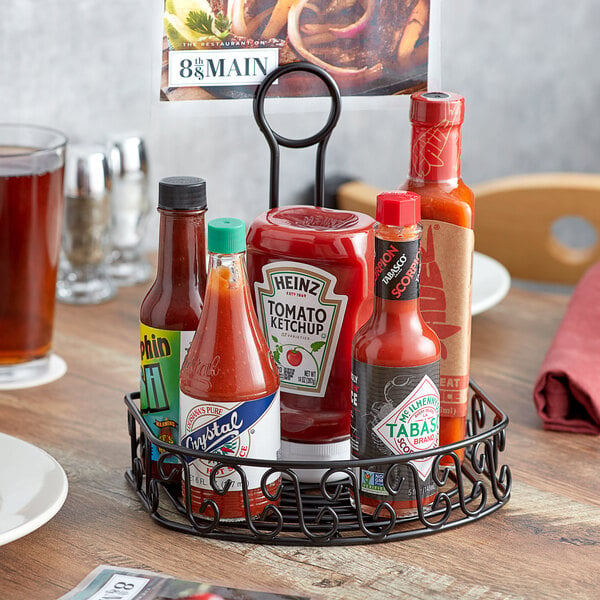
182	193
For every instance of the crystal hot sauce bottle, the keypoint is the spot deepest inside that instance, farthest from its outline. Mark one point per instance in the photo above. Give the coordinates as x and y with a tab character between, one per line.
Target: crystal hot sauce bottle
447	247
229	384
395	368
169	313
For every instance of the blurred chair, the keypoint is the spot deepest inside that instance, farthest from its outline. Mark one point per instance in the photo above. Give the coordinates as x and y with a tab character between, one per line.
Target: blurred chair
542	227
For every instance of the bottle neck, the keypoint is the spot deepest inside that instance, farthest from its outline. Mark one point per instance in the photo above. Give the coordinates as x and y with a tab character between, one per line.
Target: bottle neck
435	152
397	266
231	267
227	291
181	248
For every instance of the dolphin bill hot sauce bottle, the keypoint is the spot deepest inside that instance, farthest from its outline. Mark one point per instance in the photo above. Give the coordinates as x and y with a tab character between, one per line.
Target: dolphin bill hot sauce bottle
447	206
229	385
395	368
170	310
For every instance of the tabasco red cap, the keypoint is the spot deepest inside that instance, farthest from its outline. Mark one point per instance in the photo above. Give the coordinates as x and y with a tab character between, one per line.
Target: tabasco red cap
437	108
398	208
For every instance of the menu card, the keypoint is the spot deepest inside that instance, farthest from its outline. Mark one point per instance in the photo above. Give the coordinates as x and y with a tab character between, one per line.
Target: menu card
114	583
225	48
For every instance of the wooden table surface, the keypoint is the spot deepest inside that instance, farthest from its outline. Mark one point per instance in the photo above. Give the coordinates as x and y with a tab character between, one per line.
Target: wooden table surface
545	543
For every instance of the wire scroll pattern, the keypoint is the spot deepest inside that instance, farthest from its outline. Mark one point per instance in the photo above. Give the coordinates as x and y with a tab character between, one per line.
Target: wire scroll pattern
325	514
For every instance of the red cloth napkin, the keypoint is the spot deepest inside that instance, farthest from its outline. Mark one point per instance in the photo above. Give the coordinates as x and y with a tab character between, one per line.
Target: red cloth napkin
567	390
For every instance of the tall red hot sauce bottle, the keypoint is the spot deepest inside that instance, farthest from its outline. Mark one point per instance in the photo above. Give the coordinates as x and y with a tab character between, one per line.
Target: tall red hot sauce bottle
229	386
169	313
395	368
447	247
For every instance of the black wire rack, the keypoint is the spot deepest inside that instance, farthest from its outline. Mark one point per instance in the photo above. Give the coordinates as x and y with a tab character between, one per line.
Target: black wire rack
323	513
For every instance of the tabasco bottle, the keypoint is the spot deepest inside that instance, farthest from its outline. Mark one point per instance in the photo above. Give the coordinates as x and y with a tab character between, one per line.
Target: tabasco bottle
169	313
395	368
447	245
229	387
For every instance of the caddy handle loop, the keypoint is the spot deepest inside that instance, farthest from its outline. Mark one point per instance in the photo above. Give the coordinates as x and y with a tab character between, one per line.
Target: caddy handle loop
275	140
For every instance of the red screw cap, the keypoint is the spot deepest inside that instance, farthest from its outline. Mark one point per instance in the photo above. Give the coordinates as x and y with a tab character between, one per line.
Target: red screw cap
398	208
437	108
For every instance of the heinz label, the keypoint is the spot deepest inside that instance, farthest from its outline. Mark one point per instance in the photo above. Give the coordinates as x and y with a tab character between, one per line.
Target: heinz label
404	419
301	318
162	352
248	429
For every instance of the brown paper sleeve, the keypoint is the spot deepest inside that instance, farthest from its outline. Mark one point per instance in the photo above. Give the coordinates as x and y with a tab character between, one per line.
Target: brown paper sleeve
446	277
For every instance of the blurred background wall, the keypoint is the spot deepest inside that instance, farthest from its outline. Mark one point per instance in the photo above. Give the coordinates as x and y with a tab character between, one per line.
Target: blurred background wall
528	71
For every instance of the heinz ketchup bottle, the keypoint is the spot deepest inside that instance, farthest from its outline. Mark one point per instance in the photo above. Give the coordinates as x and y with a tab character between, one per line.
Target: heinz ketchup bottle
169	313
229	384
447	248
313	283
395	368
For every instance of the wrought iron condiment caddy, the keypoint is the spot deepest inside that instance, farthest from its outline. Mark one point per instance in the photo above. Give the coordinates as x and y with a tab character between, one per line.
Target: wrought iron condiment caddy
322	514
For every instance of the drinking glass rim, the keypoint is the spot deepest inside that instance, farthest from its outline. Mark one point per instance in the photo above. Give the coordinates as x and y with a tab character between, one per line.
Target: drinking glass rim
61	143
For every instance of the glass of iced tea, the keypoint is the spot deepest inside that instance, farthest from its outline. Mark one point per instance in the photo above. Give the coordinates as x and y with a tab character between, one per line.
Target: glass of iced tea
31	210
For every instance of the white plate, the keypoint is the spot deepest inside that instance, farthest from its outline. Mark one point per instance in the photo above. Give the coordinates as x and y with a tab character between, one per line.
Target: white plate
491	282
33	487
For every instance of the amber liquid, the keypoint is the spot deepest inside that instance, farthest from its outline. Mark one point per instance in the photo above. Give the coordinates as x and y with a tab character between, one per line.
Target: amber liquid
31	208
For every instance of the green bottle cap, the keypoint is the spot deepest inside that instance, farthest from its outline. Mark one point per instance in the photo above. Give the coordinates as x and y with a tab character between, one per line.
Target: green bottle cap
226	236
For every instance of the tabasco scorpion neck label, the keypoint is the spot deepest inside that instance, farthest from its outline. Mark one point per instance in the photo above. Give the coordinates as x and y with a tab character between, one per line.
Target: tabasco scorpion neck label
395	411
301	317
397	269
446	277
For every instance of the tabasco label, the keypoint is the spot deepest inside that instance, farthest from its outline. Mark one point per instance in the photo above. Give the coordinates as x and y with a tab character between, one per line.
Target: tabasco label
301	317
414	424
395	411
162	352
446	276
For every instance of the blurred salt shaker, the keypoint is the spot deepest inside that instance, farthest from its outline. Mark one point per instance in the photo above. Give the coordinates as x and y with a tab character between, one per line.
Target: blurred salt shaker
130	207
85	244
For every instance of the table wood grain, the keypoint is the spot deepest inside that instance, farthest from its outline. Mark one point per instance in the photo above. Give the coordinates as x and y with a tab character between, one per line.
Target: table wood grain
545	543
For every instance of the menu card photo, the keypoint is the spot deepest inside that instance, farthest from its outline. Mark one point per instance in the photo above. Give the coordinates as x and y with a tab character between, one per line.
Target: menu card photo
222	49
